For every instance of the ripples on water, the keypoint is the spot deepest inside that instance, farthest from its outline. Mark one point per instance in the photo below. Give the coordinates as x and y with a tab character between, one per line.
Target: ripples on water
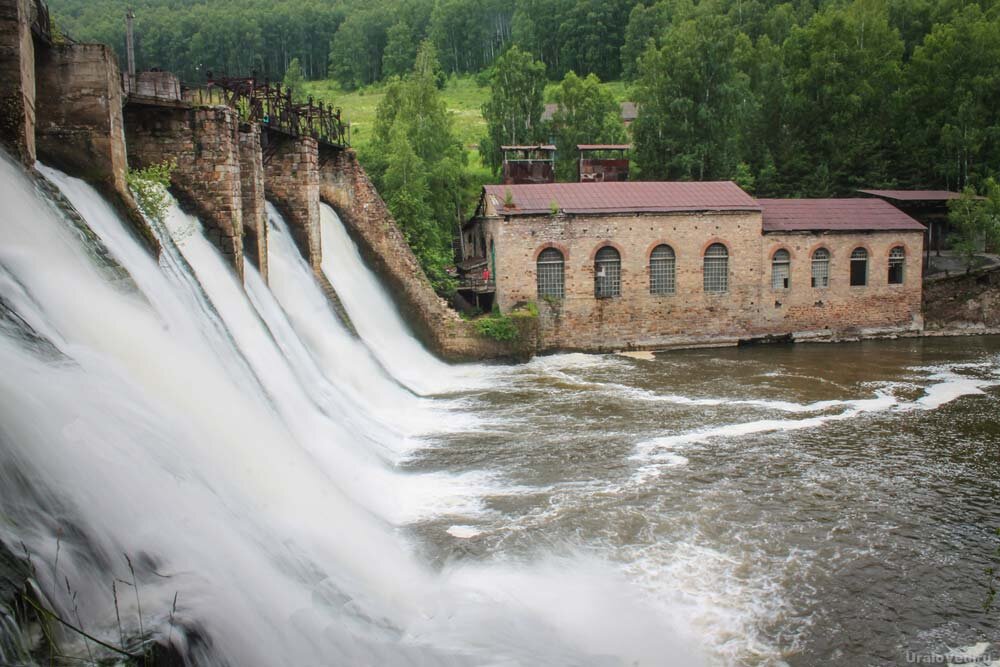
812	504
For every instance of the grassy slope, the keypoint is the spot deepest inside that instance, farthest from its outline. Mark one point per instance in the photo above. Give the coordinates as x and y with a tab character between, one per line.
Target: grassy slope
461	94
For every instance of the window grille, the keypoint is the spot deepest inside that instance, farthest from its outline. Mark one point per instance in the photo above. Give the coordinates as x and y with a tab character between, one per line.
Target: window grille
662	270
607	273
551	267
859	267
716	268
781	270
821	268
897	259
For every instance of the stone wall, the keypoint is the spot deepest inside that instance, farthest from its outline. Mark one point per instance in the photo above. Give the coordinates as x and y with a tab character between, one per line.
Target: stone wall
17	80
690	316
204	143
291	179
969	302
80	129
252	194
345	186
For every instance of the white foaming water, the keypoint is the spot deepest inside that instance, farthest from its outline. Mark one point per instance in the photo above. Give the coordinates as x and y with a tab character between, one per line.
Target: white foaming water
948	387
378	321
255	508
340	356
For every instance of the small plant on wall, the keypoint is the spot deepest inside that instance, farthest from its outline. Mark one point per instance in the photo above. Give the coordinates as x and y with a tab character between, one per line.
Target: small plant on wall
149	187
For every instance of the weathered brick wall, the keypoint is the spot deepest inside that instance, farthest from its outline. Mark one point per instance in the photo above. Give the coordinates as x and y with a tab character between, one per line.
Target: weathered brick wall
841	309
204	143
637	319
17	80
345	186
291	180
252	194
749	309
80	128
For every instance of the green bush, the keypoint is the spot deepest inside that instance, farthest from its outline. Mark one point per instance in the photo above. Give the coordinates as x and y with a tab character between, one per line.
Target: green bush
149	186
498	327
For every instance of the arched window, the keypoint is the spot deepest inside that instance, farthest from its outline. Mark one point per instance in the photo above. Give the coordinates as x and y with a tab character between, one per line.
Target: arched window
662	270
781	270
897	259
607	273
716	268
821	268
859	267
551	274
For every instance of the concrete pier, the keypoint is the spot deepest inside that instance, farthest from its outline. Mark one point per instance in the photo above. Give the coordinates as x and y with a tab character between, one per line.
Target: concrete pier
205	145
291	181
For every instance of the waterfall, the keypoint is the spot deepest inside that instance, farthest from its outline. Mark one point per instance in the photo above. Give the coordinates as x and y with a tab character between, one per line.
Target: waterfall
377	319
235	445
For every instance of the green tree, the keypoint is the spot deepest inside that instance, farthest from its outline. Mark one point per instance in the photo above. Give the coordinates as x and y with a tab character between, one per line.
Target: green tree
975	221
694	102
419	166
400	50
357	47
591	36
587	114
843	72
294	78
513	112
950	117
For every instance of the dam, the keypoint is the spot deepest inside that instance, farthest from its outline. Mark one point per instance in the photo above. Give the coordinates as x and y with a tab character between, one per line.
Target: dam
204	462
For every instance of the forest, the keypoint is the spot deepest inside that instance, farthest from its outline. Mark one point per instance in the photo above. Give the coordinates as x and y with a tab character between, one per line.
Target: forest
795	98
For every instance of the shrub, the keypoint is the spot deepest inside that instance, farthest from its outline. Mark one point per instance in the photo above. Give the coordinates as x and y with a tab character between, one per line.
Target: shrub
149	186
498	327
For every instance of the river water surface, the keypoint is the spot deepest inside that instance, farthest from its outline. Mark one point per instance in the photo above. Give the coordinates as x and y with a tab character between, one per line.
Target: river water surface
815	504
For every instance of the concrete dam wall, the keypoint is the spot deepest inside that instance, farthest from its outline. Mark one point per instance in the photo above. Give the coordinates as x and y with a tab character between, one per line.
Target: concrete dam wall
67	105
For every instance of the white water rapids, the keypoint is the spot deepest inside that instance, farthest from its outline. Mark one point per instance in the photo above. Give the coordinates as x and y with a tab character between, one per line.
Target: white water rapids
238	449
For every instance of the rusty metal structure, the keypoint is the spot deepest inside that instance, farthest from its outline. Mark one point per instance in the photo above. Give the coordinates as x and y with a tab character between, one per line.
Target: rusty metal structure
529	164
273	106
601	163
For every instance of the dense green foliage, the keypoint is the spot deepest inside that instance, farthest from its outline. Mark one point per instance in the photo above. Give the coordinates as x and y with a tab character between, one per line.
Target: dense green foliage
514	111
191	37
806	100
149	187
975	222
811	97
587	114
497	327
418	165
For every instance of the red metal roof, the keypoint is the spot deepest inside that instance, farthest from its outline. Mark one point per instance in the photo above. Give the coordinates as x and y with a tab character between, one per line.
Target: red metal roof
913	195
834	215
604	147
617	197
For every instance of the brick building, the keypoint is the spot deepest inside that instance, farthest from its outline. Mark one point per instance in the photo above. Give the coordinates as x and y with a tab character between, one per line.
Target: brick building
651	265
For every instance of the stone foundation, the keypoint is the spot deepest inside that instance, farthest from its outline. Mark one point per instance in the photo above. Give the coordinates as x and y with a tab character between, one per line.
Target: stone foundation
204	143
291	180
252	194
345	186
969	302
17	80
82	131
